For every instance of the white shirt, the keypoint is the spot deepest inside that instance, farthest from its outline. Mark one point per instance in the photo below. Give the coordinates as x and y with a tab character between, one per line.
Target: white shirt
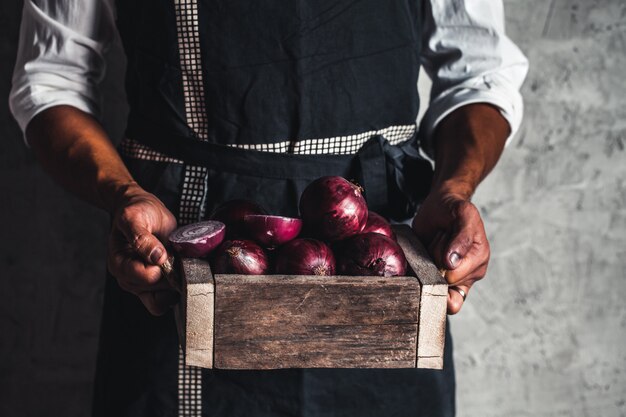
465	52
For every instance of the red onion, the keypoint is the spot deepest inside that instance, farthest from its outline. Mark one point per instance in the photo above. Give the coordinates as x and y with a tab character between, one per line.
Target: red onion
371	254
232	214
198	239
378	224
272	231
240	257
333	208
305	257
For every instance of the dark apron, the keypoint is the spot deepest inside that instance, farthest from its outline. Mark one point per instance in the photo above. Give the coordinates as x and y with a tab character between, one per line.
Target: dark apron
137	372
138	361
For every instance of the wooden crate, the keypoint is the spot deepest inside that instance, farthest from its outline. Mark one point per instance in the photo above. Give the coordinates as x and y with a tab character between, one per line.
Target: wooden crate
278	321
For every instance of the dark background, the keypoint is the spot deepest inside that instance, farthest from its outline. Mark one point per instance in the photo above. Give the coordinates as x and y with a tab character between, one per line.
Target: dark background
52	268
542	336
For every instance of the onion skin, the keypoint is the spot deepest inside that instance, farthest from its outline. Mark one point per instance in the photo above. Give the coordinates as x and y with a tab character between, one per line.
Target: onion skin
197	240
272	231
378	224
371	254
333	208
242	257
233	212
305	257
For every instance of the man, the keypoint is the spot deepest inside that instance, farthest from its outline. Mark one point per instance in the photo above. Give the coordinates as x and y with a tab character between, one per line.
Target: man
232	99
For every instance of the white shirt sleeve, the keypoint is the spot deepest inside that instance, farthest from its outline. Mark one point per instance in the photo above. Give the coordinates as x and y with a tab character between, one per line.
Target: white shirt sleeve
470	59
60	59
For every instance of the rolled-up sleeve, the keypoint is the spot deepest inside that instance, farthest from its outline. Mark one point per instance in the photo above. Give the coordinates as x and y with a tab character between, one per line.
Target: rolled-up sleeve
60	59
470	59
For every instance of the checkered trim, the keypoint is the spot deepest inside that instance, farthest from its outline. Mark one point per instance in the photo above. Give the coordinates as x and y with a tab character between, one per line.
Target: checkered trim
339	145
189	391
194	195
195	180
133	149
191	65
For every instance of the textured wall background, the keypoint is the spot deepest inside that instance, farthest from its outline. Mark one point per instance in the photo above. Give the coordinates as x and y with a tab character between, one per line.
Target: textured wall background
544	334
541	336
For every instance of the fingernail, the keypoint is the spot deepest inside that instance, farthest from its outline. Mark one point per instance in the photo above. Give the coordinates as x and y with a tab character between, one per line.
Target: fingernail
455	258
156	255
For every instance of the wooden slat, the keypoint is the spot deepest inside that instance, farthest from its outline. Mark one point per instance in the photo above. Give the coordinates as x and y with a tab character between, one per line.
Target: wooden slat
432	312
268	322
391	346
198	293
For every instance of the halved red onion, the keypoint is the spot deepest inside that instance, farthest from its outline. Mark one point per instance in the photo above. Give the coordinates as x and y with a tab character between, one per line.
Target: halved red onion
305	257
242	257
378	224
232	214
370	254
198	239
333	208
271	231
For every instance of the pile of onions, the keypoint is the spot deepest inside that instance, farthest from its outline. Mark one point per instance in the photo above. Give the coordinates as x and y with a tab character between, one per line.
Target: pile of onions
370	254
243	257
333	208
305	257
333	211
272	231
232	213
197	240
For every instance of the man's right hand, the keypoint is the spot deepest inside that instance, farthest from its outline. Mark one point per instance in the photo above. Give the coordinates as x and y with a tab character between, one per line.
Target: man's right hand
74	149
140	222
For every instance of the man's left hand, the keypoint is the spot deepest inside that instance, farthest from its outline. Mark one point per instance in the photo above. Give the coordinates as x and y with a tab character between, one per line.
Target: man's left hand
449	225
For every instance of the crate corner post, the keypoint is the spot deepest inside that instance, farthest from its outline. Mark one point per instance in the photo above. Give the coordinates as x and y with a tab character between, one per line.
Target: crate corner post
195	313
433	301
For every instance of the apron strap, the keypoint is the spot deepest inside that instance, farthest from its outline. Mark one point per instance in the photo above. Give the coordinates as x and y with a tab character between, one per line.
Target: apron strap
373	173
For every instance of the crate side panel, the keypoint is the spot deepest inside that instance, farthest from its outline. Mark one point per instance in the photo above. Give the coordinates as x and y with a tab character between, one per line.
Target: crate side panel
269	322
292	300
323	346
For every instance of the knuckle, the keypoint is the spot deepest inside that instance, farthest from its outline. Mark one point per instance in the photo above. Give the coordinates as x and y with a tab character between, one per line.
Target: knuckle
127	215
465	208
141	242
483	271
454	308
152	279
149	277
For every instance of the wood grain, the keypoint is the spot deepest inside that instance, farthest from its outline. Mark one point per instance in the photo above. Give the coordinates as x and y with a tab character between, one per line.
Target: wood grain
273	321
433	303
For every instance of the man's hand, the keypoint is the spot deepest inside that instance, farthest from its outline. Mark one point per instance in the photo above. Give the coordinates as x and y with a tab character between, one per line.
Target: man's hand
72	146
467	145
135	251
451	228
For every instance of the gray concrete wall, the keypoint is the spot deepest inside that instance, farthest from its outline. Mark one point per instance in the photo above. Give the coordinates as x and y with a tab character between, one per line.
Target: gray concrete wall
542	335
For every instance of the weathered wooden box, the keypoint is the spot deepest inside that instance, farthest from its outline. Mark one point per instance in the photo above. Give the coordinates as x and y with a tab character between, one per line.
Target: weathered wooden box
278	321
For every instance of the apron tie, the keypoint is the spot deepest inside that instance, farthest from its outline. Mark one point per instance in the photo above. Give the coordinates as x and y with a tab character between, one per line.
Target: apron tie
373	171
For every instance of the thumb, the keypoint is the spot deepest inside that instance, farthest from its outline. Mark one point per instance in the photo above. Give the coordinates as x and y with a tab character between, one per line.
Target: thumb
458	247
144	243
467	223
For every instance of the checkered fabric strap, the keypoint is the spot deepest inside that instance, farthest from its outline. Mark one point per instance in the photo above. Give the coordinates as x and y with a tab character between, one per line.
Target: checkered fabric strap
194	183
